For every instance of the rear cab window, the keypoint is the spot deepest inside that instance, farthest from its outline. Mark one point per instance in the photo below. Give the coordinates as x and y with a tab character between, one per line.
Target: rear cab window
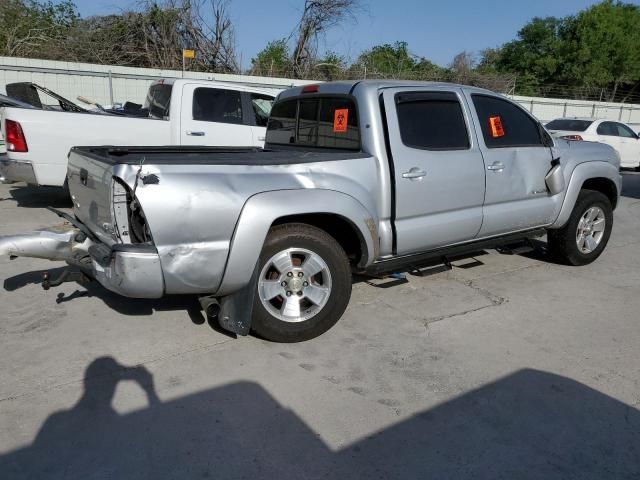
506	125
329	122
569	124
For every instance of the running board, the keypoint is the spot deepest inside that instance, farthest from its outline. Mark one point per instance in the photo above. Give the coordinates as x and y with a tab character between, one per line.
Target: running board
442	255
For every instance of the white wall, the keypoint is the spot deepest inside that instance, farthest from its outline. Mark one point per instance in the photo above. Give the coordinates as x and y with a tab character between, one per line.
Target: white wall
546	109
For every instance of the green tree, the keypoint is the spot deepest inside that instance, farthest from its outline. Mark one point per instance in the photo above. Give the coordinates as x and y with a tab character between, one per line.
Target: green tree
602	47
387	59
536	55
272	60
29	28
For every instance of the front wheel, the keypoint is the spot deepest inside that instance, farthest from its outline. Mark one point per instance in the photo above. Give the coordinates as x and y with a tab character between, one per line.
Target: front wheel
303	286
584	237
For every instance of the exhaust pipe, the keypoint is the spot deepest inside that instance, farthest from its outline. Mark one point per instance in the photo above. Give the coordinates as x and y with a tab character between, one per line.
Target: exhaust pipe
42	244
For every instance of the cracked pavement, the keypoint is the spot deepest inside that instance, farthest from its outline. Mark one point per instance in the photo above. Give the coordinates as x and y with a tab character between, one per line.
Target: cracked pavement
505	366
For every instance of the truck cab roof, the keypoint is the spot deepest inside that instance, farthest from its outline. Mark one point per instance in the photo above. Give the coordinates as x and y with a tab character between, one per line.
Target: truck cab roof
346	87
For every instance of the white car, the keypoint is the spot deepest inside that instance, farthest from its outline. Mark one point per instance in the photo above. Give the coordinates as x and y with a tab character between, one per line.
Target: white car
617	134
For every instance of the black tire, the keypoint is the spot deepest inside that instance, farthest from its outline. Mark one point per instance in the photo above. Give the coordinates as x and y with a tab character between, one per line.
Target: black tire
562	242
302	236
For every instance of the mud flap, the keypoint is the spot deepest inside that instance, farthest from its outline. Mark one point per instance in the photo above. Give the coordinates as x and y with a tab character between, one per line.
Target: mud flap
236	309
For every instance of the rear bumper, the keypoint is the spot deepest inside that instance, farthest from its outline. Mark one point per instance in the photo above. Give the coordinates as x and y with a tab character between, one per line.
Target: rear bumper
16	171
128	270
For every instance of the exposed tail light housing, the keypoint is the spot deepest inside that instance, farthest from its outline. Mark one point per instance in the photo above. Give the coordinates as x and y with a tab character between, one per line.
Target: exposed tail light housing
574	138
14	137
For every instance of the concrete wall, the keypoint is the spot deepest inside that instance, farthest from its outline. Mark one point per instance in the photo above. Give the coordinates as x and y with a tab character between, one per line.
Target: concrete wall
546	109
72	79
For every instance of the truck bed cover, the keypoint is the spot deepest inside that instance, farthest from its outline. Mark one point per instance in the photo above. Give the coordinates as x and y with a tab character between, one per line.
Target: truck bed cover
114	155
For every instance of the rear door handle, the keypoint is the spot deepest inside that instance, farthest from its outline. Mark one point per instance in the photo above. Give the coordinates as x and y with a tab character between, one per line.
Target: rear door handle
262	139
194	134
496	167
414	174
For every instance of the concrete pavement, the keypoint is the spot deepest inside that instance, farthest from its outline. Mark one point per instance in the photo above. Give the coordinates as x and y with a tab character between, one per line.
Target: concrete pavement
505	367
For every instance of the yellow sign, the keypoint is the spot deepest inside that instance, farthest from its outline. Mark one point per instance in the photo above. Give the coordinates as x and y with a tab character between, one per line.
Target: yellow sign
188	54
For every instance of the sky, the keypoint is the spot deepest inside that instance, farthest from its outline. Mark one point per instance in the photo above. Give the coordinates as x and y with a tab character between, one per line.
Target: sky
437	30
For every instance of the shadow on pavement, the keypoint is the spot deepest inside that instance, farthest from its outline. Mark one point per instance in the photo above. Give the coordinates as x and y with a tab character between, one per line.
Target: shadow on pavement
29	196
528	425
631	184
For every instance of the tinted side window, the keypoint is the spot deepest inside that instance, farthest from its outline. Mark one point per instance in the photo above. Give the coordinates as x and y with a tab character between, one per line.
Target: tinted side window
504	124
216	105
261	105
624	131
608	129
281	127
432	120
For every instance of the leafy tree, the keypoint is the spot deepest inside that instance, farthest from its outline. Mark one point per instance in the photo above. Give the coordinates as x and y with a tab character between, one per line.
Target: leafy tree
387	59
26	26
272	60
536	56
602	46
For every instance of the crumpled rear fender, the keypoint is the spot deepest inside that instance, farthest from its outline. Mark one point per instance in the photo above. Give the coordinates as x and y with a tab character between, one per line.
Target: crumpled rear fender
262	210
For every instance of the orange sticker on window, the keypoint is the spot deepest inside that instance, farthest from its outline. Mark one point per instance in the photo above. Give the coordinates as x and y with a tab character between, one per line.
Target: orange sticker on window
340	119
497	130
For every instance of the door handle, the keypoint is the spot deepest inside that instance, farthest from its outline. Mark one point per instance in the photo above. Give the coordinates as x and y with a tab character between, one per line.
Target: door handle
414	174
262	139
194	134
496	167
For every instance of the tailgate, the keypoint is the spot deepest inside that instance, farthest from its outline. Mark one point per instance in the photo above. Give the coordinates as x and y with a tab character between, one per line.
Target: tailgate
91	185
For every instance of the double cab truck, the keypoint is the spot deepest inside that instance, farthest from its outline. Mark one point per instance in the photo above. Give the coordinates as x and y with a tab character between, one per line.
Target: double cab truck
181	112
359	177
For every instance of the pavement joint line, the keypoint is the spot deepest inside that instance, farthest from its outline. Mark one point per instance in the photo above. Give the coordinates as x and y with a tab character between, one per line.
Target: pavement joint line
504	272
118	372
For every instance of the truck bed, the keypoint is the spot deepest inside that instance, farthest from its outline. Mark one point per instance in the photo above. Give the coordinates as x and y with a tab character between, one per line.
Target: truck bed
168	155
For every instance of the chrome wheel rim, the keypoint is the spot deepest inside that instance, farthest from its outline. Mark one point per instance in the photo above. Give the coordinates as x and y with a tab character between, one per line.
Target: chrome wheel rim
294	285
590	230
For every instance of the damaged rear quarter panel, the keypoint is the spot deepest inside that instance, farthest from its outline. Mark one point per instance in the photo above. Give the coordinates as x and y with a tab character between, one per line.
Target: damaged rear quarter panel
194	209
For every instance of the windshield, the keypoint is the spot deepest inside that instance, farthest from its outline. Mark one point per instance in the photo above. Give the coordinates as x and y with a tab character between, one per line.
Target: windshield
158	101
571	125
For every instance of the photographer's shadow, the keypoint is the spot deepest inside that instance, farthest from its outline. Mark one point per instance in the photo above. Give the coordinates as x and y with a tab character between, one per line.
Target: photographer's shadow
528	425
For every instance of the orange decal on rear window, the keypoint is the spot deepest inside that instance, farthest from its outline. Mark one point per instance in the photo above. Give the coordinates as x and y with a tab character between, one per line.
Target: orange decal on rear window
340	118
497	130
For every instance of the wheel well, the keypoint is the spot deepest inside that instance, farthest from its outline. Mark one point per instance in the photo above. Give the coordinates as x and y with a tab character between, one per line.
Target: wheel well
604	186
345	232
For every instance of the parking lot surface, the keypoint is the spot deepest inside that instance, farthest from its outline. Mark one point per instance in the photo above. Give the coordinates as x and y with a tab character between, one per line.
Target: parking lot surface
507	366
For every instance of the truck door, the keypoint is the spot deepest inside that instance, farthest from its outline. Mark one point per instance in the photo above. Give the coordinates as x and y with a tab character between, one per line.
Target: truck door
517	161
437	166
213	116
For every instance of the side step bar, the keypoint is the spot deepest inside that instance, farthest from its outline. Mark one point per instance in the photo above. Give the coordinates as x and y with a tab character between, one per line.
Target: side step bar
441	255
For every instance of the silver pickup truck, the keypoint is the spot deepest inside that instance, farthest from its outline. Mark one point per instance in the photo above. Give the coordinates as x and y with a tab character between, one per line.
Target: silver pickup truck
360	177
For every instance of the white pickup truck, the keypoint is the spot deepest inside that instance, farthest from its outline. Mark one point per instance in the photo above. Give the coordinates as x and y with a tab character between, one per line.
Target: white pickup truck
181	112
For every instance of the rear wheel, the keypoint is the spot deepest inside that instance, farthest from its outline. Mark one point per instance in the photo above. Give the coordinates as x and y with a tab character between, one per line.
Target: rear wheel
583	239
304	284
